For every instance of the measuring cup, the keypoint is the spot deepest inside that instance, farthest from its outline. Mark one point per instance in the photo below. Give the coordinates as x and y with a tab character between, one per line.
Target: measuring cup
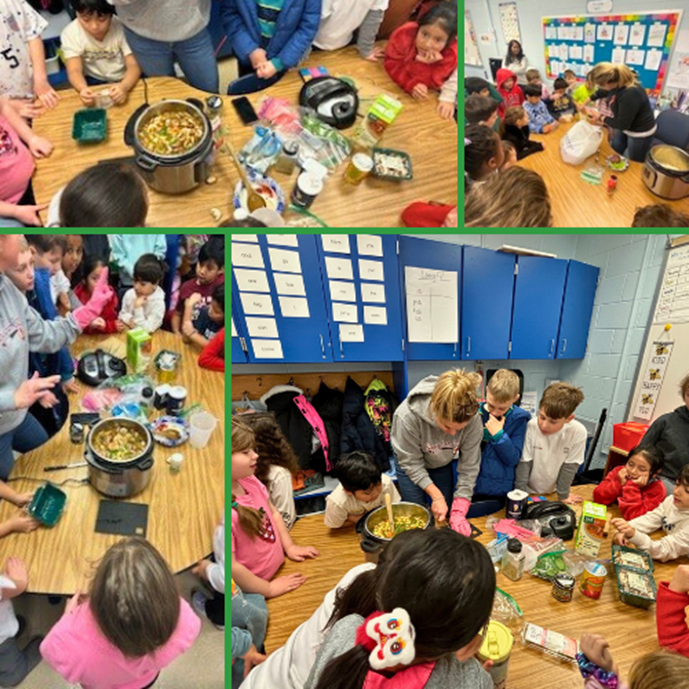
201	427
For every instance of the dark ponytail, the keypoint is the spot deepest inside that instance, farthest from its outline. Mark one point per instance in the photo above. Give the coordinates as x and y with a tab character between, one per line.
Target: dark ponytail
347	671
484	146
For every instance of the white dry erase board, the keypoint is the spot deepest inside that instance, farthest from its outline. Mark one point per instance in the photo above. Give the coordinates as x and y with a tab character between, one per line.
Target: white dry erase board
669	364
471	53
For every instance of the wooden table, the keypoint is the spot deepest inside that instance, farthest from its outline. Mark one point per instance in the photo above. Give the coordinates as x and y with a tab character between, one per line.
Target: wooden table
577	203
630	631
431	142
184	508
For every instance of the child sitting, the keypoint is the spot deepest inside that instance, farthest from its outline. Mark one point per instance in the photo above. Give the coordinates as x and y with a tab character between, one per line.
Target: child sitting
249	624
483	154
560	103
143	306
422	56
447	100
260	539
430	214
671	602
108	321
533	78
512	94
659	215
93	643
510	156
570	79
555	445
672	515
201	325
362	488
95	50
636	486
212	572
213	355
480	110
61	283
504	428
517	132
540	120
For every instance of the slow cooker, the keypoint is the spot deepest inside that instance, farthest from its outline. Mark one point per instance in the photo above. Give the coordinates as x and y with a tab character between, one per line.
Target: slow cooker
666	172
119	479
371	544
171	174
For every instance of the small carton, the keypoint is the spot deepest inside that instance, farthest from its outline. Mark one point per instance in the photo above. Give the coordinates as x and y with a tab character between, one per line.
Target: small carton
382	113
139	347
590	530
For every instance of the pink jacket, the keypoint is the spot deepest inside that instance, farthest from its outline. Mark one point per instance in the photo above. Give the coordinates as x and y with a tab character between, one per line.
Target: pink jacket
315	421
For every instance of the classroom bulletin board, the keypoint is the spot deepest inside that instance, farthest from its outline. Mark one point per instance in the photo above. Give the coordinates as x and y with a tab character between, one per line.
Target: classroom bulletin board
643	41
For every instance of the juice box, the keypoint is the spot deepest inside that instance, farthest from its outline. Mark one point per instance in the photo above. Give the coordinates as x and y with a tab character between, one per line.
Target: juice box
139	347
382	113
590	530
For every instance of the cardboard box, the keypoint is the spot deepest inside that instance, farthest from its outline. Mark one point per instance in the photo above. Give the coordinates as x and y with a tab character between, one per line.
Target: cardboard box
590	530
378	118
139	349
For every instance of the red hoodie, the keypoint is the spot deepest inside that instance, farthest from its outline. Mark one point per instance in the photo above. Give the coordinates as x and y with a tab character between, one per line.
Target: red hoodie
400	61
213	354
511	98
633	500
671	619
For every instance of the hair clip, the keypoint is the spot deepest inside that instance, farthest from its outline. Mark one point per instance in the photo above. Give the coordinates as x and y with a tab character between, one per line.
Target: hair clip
234	504
467	142
389	636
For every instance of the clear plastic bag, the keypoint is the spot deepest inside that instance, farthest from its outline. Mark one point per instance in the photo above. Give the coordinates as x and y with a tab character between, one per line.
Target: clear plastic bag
507	611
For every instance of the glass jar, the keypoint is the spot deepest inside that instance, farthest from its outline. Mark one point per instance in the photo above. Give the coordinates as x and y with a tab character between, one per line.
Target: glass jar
513	560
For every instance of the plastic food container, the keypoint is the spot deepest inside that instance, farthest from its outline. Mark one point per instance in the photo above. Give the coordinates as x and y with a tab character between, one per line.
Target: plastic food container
48	504
626	435
89	125
392	165
627	574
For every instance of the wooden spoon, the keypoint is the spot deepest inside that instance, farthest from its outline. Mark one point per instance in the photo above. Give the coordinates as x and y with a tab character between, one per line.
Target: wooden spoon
254	200
391	518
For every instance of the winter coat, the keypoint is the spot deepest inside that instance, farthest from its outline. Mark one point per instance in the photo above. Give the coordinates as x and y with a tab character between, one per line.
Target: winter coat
671	619
519	138
380	406
670	434
328	403
633	500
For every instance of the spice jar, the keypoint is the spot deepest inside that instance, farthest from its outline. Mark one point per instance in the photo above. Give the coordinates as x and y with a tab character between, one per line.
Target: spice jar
563	587
513	560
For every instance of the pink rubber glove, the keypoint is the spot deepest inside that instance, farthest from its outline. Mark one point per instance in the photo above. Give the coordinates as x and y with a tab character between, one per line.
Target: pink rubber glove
458	522
102	293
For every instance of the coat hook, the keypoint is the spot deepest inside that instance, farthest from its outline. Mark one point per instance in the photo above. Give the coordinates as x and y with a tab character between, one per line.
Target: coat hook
291	381
259	380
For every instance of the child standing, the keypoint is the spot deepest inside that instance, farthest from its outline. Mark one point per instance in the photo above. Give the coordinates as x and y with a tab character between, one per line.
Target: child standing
212	572
636	486
94	643
108	321
672	515
260	539
200	326
421	57
517	132
96	51
555	444
362	488
540	120
143	306
512	94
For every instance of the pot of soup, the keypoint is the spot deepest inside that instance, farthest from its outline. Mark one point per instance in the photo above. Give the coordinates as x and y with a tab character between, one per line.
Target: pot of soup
173	145
119	453
666	172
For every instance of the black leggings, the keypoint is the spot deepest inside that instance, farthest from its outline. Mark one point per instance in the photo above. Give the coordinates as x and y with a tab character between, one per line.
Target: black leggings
215	609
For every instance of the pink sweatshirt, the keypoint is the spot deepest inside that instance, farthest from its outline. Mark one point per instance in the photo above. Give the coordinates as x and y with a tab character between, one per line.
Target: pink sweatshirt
77	650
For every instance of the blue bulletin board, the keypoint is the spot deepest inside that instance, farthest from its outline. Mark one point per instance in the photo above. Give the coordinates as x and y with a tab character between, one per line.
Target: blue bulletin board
643	41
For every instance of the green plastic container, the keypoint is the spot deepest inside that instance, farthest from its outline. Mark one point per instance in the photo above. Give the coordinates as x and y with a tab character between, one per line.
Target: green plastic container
48	504
89	125
379	152
626	596
641	553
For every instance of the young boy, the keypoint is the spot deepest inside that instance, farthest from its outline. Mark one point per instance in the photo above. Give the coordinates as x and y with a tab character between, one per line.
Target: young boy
540	120
571	80
210	272
512	94
659	215
202	326
362	488
504	428
143	306
517	132
480	110
533	77
560	103
555	445
96	52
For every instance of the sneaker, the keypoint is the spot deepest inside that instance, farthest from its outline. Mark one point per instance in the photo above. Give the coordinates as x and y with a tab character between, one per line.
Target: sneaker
198	602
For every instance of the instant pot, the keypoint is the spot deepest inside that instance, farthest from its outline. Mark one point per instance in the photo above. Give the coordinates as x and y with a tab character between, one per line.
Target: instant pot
666	172
171	174
119	479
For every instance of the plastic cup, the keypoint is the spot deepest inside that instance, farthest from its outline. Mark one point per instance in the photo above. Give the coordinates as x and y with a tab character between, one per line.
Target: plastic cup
201	427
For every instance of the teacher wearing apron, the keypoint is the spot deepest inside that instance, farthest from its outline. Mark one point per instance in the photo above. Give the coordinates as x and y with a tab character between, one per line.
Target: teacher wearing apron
438	419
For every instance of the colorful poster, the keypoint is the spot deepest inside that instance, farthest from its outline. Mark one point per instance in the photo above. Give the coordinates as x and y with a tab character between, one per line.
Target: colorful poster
576	52
618	56
656	35
590	33
636	56
652	381
678	76
621	34
637	35
509	21
604	32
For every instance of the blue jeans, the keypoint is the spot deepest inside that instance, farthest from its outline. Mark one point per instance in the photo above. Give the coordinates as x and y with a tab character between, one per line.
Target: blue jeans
249	612
442	477
636	149
194	55
27	436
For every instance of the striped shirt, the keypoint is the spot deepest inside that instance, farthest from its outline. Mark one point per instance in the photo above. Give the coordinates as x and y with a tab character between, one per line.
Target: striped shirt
268	13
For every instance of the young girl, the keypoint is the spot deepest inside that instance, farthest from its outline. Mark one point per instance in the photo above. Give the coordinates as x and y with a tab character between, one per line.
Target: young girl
636	486
260	539
249	623
422	56
131	625
107	322
483	155
440	630
518	134
276	463
512	94
672	515
61	282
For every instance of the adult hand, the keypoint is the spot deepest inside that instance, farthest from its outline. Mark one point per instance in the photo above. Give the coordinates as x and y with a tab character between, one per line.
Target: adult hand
376	54
285	584
597	650
46	94
49	401
28	215
34	389
118	94
252	658
439	509
494	425
446	110
258	57
420	92
21	522
88	96
680	579
458	521
39	147
299	553
623	475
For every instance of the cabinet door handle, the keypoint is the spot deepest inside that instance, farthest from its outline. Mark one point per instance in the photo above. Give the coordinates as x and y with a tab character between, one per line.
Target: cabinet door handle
341	350
454	353
322	346
552	347
468	346
564	346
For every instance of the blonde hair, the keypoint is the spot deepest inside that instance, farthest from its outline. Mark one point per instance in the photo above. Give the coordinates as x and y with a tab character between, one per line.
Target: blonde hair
660	670
684	385
608	73
504	385
560	400
243	439
515	198
532	74
454	396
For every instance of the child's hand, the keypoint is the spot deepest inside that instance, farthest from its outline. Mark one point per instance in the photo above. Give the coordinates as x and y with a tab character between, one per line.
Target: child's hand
252	658
118	94
573	499
258	57
27	109
285	584
69	387
15	569
641	481
23	499
200	569
597	650
446	110
299	553
623	475
34	389
98	324
28	215
193	300
21	522
120	326
623	527
494	425
376	54
139	302
39	147
46	94
619	539
420	92
680	580
88	96
266	70
74	601
451	218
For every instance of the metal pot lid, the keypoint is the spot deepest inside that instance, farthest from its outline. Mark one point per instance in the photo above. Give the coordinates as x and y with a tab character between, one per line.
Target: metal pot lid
672	159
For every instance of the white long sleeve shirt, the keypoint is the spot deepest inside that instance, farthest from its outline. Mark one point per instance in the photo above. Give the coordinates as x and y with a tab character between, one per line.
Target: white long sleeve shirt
673	520
216	570
149	316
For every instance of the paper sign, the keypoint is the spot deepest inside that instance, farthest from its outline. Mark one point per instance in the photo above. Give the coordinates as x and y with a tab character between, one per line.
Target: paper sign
576	52
294	307
283	239
564	52
372	293
246	256
530	402
604	32
635	56
289	284
252	238
336	243
621	35
342	291
553	51
256	304
251	280
590	33
338	268
234	330
618	55
351	332
588	53
550	33
369	245
370	270
375	315
578	33
653	59
284	261
345	313
652	381
637	34
267	349
656	35
432	305
262	327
